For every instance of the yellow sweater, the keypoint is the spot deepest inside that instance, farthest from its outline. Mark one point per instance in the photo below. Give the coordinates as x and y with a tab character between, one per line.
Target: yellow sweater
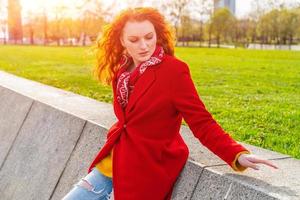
105	165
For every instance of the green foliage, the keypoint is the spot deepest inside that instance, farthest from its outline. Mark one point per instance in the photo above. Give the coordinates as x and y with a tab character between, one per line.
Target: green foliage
222	23
279	26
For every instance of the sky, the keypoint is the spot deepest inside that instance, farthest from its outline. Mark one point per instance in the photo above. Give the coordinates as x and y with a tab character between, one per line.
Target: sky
242	6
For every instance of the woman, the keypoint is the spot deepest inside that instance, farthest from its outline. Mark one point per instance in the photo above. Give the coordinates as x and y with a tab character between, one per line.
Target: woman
153	90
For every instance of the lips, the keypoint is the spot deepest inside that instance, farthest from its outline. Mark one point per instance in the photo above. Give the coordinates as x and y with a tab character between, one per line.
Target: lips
144	53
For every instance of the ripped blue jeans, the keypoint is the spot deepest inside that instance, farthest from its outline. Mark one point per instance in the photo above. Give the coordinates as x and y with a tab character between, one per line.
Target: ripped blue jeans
94	186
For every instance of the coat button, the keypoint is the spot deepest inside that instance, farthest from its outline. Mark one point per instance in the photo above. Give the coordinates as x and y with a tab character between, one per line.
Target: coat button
124	125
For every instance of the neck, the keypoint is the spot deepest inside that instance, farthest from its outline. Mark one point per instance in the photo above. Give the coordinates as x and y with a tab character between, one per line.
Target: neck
133	65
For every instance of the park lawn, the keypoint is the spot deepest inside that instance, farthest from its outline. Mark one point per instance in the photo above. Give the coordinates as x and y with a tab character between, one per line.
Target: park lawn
254	95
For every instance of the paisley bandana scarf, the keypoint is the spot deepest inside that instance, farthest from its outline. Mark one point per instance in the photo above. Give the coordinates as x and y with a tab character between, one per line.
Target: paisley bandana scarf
126	79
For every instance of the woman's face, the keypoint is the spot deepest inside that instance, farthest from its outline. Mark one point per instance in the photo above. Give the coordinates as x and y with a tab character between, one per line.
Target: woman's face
139	38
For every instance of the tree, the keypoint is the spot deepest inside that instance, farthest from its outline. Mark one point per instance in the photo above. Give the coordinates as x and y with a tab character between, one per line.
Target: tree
222	24
45	26
14	21
297	11
175	10
289	22
241	31
55	30
186	29
263	29
251	31
92	16
274	23
3	20
204	8
29	27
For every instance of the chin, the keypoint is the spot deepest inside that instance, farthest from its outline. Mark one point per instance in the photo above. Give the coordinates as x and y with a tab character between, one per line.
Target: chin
144	58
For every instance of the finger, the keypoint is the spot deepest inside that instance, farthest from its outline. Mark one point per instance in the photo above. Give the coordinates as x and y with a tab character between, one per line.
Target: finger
255	159
250	164
269	163
263	161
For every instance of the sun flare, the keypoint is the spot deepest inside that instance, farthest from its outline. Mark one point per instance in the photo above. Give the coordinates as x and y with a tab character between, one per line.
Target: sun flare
69	7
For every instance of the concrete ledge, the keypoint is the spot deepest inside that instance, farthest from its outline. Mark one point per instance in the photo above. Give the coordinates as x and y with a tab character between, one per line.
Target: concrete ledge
49	136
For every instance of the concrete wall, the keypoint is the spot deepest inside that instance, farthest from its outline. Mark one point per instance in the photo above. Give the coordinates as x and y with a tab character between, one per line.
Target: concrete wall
49	136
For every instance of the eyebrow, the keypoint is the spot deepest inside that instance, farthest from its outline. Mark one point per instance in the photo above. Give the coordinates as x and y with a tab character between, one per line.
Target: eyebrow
137	36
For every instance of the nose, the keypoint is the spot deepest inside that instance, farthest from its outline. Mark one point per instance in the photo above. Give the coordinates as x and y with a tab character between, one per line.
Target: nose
143	44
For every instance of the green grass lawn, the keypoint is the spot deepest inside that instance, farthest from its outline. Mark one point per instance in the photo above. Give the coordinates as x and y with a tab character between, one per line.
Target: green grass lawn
254	95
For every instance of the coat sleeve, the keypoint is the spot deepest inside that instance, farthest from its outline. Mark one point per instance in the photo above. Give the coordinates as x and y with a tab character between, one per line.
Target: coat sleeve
186	100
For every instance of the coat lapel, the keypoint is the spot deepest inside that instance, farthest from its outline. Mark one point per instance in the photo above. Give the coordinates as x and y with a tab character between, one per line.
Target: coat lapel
141	87
117	107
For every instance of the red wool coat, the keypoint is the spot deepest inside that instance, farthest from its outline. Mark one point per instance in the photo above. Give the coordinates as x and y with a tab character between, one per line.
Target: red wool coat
149	152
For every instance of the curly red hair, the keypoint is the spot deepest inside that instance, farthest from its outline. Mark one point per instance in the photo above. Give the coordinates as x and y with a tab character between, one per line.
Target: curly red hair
109	48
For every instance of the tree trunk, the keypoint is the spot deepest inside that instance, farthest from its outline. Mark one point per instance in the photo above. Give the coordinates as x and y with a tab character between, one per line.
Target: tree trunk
31	36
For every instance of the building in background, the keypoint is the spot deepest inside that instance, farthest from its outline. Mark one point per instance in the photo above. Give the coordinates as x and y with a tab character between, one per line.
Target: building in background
230	4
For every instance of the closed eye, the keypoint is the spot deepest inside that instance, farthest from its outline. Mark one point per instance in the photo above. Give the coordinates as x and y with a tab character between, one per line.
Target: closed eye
148	36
